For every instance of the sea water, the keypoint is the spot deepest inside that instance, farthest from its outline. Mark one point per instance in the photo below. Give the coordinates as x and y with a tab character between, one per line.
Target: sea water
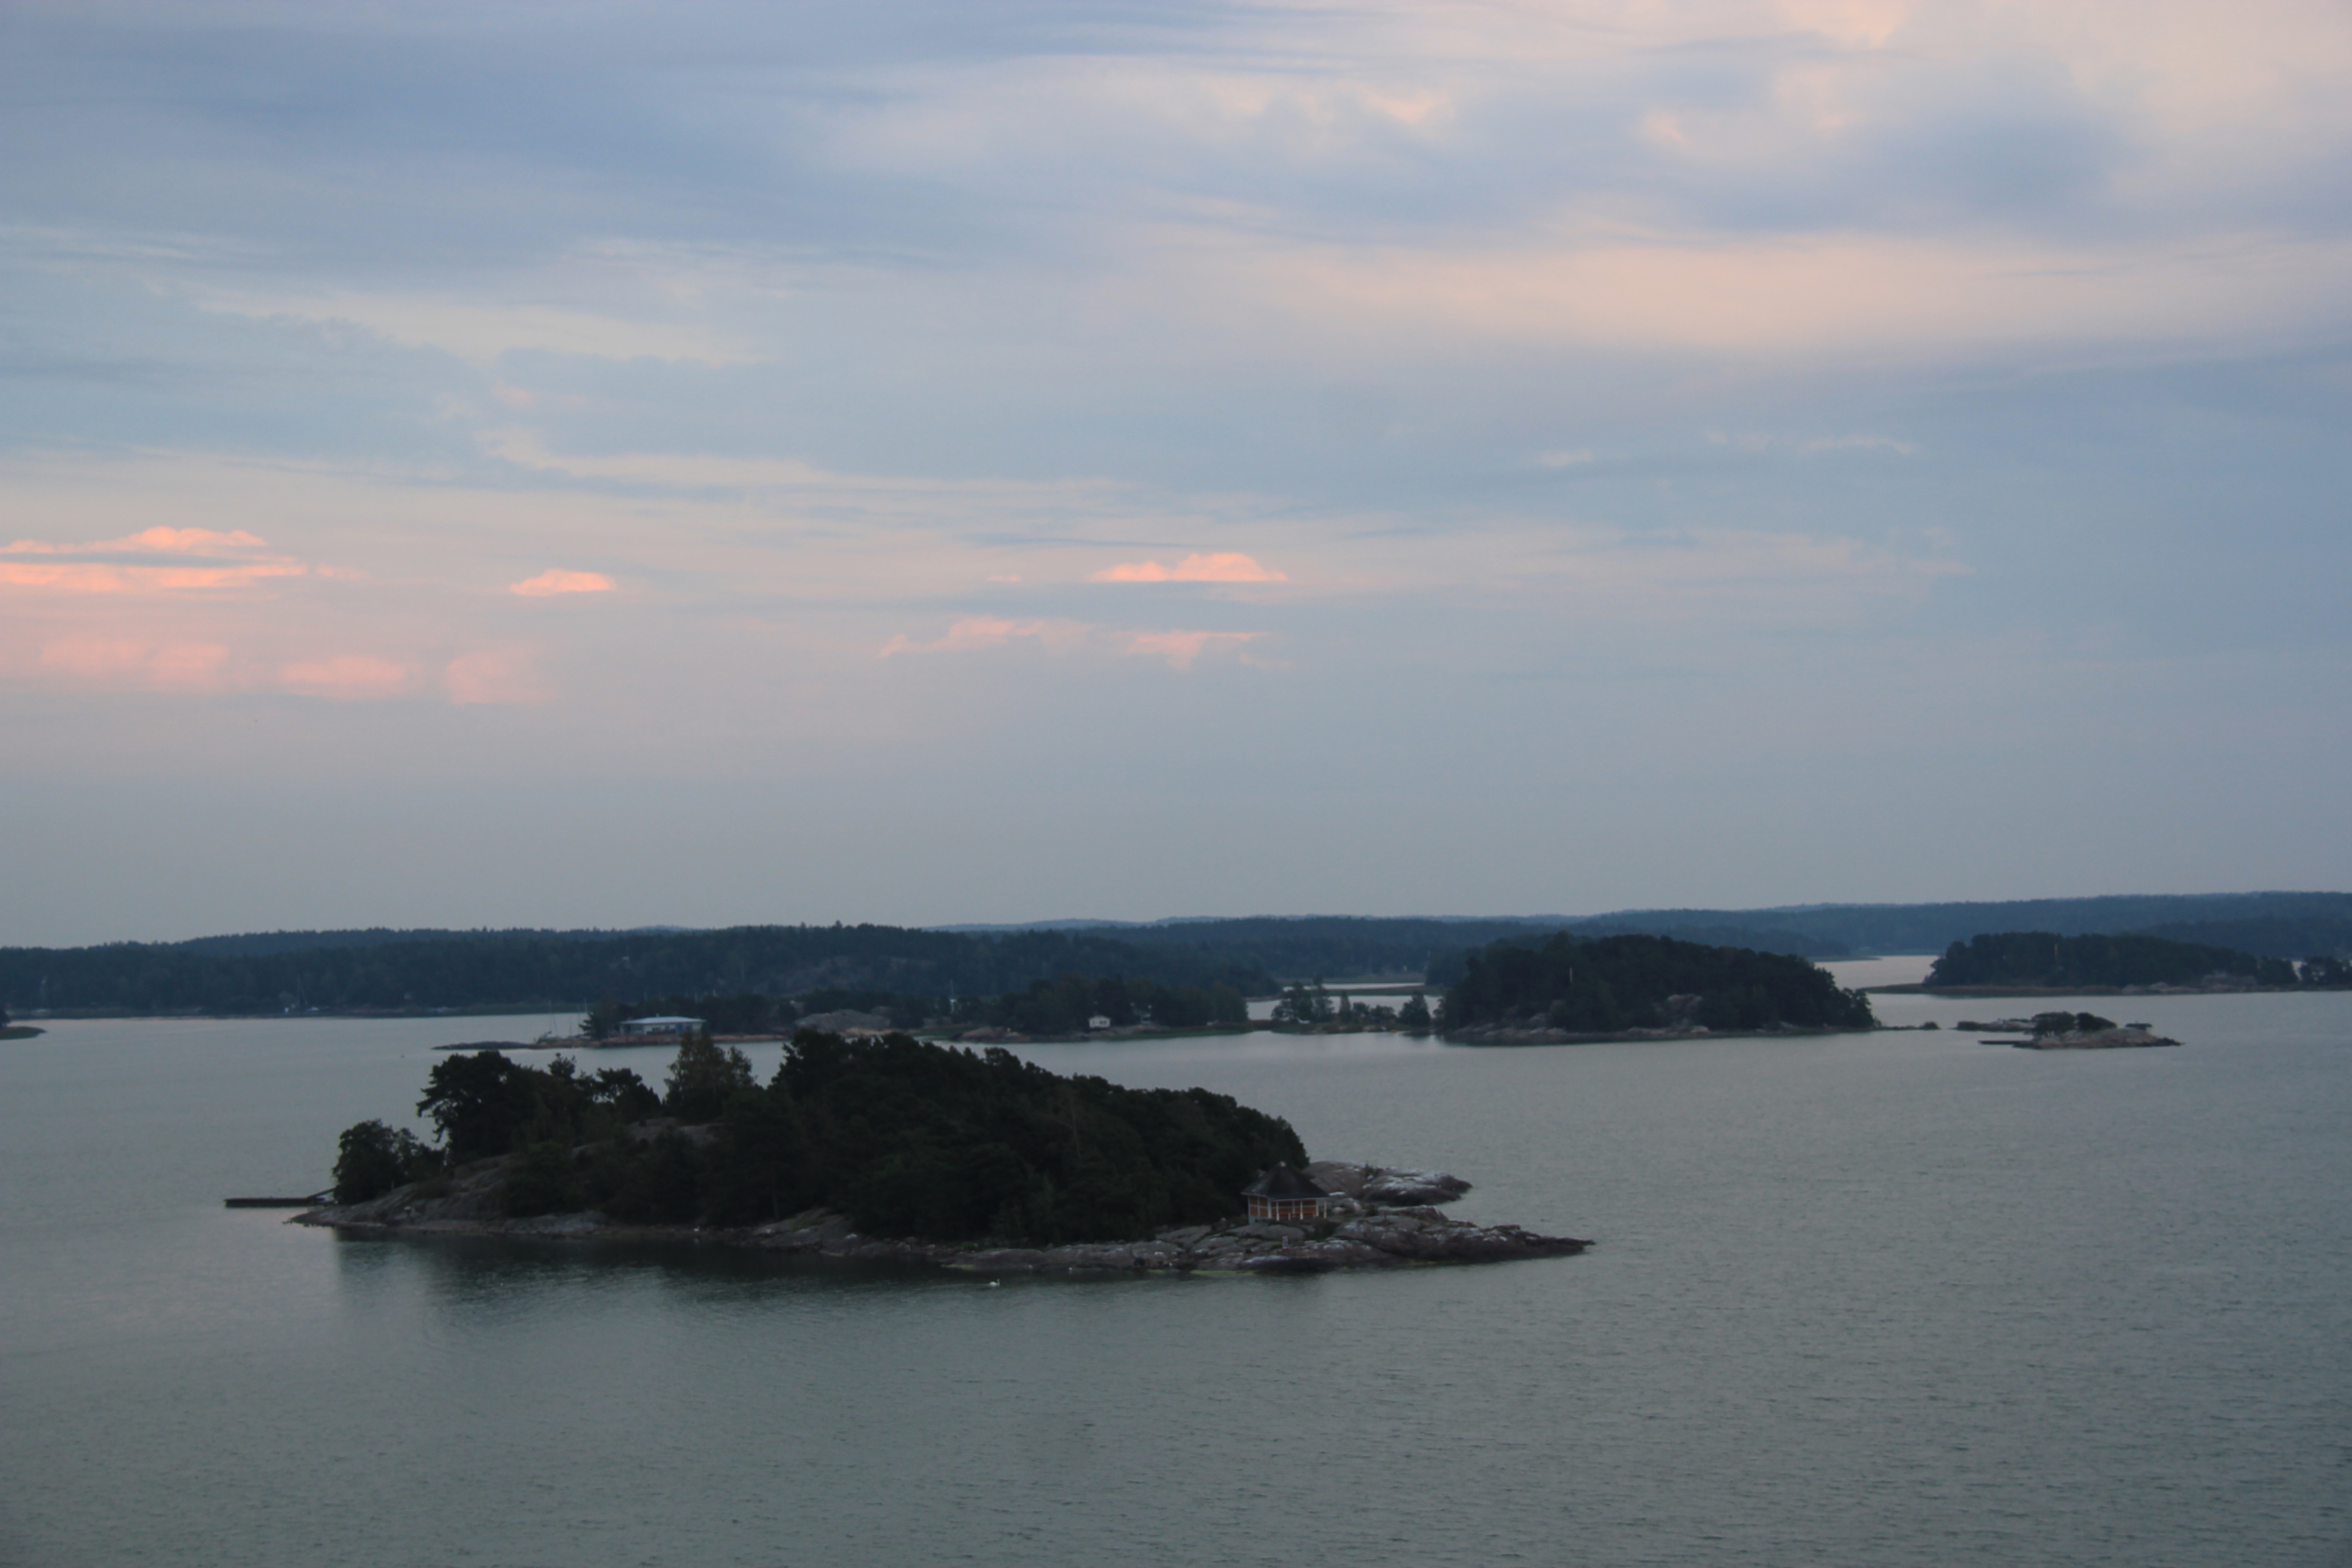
1890	1298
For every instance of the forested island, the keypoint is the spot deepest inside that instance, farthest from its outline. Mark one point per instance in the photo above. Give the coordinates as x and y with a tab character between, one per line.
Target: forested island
886	1149
2027	962
1564	988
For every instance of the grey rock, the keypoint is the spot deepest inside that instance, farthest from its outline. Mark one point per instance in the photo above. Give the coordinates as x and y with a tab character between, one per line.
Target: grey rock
1414	1187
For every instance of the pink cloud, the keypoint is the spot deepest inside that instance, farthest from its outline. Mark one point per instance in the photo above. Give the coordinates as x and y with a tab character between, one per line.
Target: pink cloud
1225	567
494	675
1181	648
987	631
95	572
557	581
349	676
152	541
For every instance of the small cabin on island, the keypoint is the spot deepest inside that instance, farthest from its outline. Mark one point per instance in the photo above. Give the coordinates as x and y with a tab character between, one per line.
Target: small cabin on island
660	1028
1283	1194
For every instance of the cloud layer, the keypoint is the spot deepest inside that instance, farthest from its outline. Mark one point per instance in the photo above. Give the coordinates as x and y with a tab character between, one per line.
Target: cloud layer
1790	417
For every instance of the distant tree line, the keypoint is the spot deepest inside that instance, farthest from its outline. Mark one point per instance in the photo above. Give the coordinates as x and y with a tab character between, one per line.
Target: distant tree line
1616	983
537	969
2304	921
1315	1008
912	974
2041	958
1064	1004
2281	936
905	1138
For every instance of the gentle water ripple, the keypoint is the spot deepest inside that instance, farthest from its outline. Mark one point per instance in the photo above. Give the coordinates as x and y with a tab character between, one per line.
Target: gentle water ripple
1894	1299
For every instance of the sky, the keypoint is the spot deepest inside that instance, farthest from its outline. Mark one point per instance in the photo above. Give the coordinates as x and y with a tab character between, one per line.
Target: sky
611	464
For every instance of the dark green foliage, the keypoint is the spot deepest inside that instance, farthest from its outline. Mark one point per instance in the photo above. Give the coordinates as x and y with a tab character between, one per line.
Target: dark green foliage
483	1105
1757	937
2331	973
907	1138
658	1182
371	1159
1414	1014
2041	958
1308	1004
1626	983
915	1139
545	1179
702	1078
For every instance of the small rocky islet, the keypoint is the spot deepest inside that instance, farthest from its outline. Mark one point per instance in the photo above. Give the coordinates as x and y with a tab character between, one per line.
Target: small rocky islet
1367	1216
2068	1032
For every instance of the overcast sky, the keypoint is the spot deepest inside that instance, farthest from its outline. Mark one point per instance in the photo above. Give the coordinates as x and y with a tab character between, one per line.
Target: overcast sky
570	464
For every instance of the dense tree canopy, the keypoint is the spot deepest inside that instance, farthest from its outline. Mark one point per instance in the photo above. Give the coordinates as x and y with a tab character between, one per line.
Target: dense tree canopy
906	1138
1616	983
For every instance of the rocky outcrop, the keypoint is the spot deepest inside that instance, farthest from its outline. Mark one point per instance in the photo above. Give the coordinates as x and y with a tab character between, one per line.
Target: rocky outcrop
2073	1032
2118	1036
1381	1184
1368	1229
1375	1238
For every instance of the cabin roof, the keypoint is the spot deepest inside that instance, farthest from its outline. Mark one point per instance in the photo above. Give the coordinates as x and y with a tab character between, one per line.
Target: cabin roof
1282	1181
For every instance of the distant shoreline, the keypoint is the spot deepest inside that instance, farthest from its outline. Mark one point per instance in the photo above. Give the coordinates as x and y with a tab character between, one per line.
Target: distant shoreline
1923	989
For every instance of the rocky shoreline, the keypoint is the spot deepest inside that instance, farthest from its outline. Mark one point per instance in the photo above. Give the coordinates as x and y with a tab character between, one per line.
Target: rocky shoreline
1380	1217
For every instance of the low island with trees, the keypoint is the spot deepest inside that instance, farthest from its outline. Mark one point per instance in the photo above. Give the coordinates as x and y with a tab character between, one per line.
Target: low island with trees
1567	988
880	1149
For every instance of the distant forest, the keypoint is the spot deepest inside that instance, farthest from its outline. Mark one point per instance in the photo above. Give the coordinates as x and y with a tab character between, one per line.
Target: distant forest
906	1138
1616	983
912	974
2293	925
2041	958
534	968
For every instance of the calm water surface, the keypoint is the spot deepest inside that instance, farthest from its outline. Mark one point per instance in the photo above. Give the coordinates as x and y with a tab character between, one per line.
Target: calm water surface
1890	1299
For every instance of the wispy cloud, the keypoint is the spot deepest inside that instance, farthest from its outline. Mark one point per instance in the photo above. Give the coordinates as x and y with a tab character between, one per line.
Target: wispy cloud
482	332
1179	649
988	631
1224	567
120	565
555	580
